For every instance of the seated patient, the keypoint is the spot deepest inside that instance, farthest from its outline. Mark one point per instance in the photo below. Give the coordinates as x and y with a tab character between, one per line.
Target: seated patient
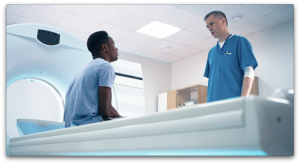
88	99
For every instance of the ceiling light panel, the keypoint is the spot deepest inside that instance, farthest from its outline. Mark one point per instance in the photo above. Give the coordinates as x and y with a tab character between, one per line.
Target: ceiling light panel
158	29
95	12
181	18
150	11
43	14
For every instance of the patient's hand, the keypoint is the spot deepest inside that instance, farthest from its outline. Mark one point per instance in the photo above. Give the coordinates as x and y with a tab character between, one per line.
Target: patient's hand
104	103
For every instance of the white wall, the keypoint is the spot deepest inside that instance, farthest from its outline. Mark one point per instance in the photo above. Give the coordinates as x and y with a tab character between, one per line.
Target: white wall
189	71
156	77
273	49
29	100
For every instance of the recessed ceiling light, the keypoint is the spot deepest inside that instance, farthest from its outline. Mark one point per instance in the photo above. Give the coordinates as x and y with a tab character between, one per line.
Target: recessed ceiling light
158	29
237	17
165	47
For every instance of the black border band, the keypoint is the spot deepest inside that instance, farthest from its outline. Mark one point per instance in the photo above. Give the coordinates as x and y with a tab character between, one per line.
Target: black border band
133	77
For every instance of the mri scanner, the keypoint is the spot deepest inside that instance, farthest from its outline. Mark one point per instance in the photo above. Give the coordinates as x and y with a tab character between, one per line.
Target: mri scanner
245	126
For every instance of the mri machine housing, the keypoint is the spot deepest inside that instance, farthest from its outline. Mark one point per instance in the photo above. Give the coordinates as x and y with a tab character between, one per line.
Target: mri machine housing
239	126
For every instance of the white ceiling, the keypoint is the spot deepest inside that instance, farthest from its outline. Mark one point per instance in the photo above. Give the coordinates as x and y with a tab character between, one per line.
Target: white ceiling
122	21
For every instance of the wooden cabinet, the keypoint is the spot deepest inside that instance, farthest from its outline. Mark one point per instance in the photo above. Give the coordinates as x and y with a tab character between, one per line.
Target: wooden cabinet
185	96
171	100
180	97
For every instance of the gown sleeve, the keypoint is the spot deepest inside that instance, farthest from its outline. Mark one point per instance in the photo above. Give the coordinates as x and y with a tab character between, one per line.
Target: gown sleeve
206	72
245	54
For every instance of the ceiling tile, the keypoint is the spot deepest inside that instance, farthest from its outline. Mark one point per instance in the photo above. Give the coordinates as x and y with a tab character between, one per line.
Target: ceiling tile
10	19
284	15
66	8
259	24
248	15
266	9
177	5
96	12
181	18
205	9
78	23
15	9
185	38
139	39
241	32
128	20
115	32
21	20
126	47
156	46
119	6
200	28
206	44
186	52
44	14
169	58
150	11
75	33
149	53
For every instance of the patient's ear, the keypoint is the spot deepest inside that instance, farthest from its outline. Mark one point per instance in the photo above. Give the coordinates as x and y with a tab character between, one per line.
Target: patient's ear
104	47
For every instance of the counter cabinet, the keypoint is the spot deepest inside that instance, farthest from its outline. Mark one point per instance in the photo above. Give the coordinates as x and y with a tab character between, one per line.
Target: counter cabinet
191	95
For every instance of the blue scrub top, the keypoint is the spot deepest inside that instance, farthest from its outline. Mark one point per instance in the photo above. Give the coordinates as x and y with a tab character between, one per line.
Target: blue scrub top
225	72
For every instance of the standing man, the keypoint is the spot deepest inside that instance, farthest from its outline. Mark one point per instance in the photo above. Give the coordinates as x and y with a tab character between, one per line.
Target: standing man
230	63
88	99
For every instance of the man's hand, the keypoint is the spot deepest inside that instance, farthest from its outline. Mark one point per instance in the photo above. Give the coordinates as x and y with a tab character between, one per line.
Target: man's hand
104	103
247	84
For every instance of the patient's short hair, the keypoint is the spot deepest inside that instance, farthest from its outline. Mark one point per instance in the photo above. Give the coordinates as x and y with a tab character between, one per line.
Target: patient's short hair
217	14
95	41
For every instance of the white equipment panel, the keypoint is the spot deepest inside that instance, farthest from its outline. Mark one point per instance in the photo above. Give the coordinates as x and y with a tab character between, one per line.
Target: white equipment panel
240	126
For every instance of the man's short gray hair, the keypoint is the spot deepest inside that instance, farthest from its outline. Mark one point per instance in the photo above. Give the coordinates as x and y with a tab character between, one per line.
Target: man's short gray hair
217	14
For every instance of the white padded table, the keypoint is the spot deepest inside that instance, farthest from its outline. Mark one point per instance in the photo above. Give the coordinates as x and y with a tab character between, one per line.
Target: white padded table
239	126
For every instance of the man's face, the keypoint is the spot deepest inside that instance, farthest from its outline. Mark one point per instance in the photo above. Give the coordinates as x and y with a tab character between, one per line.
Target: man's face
215	25
113	51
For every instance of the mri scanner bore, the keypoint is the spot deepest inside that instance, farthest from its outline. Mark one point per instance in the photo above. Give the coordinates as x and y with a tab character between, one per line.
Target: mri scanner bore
239	126
67	56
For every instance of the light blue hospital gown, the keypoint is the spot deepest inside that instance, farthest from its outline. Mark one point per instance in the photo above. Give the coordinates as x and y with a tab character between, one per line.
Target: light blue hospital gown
225	71
82	95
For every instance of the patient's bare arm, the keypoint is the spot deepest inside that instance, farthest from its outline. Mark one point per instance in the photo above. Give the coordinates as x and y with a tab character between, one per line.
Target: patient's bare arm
104	100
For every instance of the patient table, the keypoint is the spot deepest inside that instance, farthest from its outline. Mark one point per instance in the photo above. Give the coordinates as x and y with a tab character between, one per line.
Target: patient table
240	126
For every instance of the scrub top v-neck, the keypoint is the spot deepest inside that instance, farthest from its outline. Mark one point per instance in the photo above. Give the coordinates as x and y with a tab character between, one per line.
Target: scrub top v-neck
224	68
